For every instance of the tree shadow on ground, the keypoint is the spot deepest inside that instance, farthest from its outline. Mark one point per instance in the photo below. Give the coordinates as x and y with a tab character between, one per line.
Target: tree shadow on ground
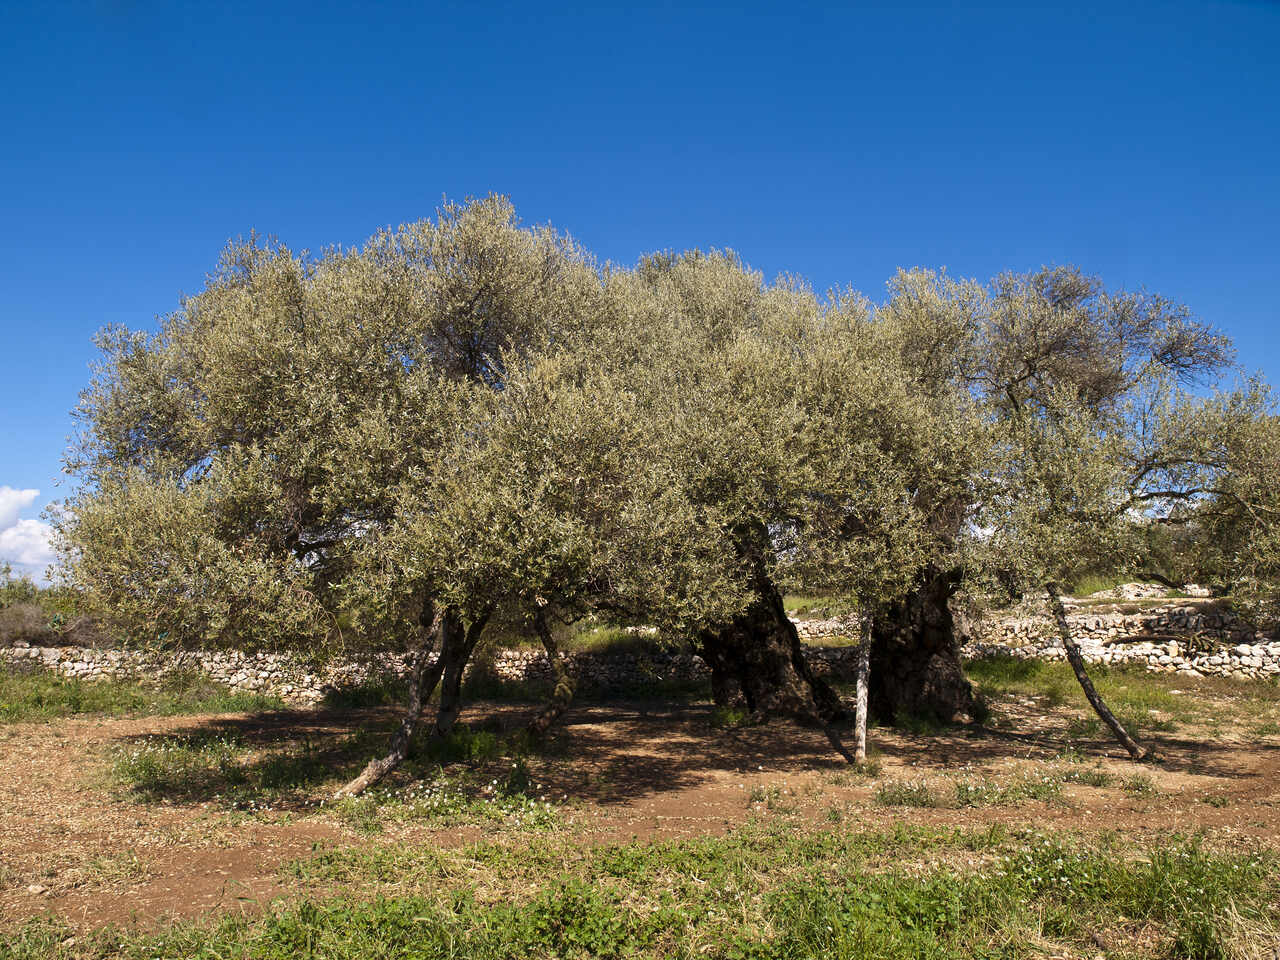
607	754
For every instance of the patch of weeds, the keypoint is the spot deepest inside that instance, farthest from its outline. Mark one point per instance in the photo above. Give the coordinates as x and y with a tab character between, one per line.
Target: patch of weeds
772	797
392	863
514	799
38	694
362	814
1268	729
1216	800
730	718
378	692
117	867
1084	728
221	767
986	793
607	638
460	745
835	814
1141	700
846	776
869	767
159	767
1140	785
1093	776
1003	674
906	793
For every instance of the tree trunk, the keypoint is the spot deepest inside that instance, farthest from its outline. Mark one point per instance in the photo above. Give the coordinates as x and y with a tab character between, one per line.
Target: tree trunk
422	681
455	653
860	707
1076	659
562	695
915	656
760	653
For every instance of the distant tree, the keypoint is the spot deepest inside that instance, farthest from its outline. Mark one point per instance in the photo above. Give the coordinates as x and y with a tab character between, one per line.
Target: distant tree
1217	508
15	589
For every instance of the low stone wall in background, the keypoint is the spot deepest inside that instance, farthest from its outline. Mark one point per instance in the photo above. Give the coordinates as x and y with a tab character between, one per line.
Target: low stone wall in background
1196	639
300	682
1193	639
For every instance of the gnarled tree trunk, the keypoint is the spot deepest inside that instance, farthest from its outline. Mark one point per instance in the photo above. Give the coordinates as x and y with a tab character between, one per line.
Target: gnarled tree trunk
760	655
915	655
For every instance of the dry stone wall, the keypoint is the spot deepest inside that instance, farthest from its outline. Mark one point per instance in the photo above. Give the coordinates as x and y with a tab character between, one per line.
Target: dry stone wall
1196	639
298	681
1193	639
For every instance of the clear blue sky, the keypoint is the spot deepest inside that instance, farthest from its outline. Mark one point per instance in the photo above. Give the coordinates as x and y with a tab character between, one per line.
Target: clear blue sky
1141	141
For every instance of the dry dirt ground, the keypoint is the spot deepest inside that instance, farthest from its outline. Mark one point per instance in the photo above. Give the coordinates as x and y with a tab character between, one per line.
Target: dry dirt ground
75	846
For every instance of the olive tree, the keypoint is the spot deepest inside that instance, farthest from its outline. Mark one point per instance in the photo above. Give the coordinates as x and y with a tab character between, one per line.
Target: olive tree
790	443
235	465
1012	346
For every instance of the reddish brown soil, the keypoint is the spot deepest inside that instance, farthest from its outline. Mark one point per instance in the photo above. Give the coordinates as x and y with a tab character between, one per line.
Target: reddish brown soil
72	848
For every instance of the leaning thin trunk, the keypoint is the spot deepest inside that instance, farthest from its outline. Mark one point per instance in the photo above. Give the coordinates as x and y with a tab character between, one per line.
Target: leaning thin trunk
422	681
860	704
562	695
1076	660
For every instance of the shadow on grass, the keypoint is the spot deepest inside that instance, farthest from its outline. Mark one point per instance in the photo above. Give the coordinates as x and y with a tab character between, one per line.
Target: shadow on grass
615	752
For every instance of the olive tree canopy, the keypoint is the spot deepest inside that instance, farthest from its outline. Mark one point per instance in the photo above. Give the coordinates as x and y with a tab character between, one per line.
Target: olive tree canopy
466	421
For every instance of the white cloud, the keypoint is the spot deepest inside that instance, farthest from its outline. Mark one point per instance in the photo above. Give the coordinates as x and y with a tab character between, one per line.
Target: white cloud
24	541
12	503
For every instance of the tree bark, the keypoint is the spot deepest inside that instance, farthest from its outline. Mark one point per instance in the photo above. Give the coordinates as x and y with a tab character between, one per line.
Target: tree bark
760	653
1076	659
455	653
566	683
422	681
915	655
860	704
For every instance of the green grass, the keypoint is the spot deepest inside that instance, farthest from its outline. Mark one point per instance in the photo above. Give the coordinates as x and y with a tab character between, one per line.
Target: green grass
1140	785
1142	700
587	636
768	890
219	766
43	695
906	793
1092	583
990	793
1043	785
801	606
